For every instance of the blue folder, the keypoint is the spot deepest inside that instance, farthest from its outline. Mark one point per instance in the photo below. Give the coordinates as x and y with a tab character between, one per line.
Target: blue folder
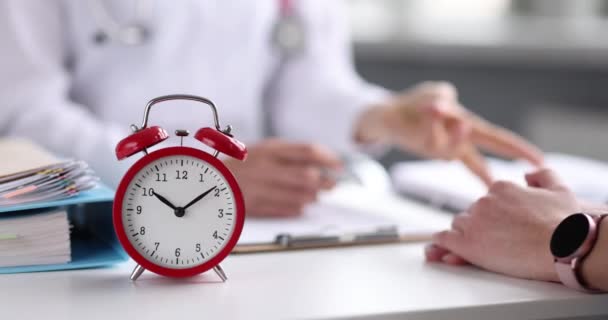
93	241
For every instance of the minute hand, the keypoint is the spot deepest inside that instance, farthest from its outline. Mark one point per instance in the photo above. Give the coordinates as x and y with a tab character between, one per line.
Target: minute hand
202	195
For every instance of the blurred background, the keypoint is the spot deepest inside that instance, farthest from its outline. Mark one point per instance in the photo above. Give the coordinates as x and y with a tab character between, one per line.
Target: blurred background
538	67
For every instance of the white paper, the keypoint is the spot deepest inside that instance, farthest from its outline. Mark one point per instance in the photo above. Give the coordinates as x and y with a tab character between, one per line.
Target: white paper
348	210
20	155
42	238
451	184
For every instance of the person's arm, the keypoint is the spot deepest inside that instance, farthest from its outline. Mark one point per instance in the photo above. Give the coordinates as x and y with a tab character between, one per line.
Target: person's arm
34	86
509	230
594	269
319	95
321	98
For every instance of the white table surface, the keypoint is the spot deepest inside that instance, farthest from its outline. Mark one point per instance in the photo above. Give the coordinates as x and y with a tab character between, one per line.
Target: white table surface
382	282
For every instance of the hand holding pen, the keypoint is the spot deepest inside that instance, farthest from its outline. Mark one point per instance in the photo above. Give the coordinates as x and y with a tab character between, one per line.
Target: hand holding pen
280	178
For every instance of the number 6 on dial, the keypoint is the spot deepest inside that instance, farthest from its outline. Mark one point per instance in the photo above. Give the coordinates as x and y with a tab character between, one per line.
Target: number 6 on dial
179	211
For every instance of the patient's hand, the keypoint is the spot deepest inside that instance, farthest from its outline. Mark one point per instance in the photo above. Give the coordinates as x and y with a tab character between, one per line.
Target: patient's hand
508	230
429	120
279	178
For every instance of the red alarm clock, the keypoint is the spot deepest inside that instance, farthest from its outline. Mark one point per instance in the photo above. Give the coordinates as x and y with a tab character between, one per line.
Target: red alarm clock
179	211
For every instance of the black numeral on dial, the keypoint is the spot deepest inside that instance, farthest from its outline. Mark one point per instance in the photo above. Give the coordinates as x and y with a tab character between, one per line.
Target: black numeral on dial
181	175
161	177
148	192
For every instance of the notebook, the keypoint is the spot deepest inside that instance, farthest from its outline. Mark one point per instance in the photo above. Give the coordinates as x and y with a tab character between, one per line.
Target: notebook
451	186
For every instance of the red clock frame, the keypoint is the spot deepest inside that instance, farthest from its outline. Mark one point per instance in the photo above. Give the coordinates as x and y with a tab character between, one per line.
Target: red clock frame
120	195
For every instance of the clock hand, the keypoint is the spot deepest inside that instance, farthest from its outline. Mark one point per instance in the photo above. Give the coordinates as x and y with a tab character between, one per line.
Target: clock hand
164	200
202	195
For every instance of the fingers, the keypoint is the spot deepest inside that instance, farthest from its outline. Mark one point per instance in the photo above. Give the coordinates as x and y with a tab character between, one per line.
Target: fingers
299	176
281	178
458	135
438	139
546	179
450	135
437	89
270	210
476	162
504	142
434	253
454	260
452	240
448	132
312	154
277	201
460	222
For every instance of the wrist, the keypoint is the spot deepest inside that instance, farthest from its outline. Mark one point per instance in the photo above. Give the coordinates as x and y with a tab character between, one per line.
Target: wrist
593	208
575	240
374	125
594	266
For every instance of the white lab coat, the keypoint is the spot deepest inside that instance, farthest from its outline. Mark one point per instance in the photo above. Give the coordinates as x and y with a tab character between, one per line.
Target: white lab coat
78	98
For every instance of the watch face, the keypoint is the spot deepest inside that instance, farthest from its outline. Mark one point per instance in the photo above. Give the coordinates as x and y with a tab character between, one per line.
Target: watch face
570	235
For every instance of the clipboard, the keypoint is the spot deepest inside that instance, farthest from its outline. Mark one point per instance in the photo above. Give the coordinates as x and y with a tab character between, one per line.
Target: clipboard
287	242
330	225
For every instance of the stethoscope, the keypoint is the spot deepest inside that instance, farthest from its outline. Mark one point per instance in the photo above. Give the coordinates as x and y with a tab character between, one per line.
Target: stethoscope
288	34
110	30
288	39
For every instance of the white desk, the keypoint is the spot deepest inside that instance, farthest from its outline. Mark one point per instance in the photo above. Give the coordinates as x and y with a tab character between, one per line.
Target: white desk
385	282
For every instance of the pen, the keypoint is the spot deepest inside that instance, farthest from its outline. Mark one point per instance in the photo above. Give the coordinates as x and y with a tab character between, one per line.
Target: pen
340	175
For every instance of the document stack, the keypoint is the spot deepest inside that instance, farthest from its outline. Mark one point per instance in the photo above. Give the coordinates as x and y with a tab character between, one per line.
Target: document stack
54	214
35	239
56	181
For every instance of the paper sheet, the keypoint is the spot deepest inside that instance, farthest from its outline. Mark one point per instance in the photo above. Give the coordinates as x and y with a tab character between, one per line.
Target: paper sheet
450	184
42	238
21	155
347	210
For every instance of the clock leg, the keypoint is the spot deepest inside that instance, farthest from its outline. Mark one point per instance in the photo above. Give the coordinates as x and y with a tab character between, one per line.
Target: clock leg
220	272
137	272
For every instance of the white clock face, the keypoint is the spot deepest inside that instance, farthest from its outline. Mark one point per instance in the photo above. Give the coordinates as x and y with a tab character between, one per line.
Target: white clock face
178	212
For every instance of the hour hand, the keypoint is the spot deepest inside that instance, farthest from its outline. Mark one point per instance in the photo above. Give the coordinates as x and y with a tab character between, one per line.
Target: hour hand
164	200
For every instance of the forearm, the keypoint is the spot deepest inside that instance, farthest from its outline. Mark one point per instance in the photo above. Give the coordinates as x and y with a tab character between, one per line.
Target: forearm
594	269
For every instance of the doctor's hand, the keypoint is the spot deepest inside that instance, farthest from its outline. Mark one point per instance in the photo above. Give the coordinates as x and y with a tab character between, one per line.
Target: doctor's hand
508	231
280	178
430	121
